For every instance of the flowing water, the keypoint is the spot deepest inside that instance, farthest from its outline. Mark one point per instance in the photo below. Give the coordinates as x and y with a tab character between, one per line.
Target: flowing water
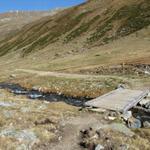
35	94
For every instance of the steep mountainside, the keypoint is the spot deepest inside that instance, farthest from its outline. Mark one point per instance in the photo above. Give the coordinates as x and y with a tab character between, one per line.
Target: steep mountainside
97	22
96	33
13	21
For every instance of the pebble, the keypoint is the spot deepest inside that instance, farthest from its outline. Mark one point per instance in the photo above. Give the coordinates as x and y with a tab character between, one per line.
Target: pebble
144	101
111	118
124	147
146	124
127	115
99	147
134	123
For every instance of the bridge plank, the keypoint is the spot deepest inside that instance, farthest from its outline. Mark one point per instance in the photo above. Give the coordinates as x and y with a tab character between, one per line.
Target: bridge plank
118	100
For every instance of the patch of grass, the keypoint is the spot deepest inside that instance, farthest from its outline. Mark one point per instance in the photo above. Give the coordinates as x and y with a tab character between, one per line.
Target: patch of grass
138	17
100	32
143	133
134	18
76	87
23	116
33	41
83	28
56	31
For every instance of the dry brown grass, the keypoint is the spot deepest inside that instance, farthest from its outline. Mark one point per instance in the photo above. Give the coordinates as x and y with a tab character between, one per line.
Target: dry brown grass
25	114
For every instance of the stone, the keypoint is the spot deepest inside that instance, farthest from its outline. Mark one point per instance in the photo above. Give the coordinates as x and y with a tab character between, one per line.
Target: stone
144	101
17	91
148	95
146	124
35	88
99	110
99	147
126	115
113	114
134	123
111	118
35	96
147	72
24	136
147	105
124	147
13	76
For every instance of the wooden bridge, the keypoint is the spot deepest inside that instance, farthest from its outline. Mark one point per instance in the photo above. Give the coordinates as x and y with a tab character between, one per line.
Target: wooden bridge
118	100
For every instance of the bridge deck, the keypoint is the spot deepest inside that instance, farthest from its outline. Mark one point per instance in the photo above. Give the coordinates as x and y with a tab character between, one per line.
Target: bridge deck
118	100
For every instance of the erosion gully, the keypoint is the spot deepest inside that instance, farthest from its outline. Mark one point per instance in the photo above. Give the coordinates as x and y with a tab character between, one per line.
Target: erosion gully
35	94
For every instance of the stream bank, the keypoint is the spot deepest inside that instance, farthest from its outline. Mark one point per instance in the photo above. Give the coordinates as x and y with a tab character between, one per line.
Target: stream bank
33	94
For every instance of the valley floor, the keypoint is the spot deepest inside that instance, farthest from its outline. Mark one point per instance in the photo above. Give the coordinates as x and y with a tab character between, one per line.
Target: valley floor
98	56
35	124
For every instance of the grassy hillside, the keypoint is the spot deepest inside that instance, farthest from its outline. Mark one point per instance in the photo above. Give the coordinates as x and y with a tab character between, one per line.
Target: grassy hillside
11	22
101	37
97	22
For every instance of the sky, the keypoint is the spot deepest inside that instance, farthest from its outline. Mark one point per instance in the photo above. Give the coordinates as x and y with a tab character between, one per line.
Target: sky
27	5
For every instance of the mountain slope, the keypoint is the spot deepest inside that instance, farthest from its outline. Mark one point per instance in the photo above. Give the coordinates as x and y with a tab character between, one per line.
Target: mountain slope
94	34
98	21
13	21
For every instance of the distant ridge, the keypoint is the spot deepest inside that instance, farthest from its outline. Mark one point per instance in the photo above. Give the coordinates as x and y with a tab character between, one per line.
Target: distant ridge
13	21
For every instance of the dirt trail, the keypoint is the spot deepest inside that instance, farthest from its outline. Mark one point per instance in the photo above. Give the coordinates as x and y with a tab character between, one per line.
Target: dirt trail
63	75
71	130
56	74
134	83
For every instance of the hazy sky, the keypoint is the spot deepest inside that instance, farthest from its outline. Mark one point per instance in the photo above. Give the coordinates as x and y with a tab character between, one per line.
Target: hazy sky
7	5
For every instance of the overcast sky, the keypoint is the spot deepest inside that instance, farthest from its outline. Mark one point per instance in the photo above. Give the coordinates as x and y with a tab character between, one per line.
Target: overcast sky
10	5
